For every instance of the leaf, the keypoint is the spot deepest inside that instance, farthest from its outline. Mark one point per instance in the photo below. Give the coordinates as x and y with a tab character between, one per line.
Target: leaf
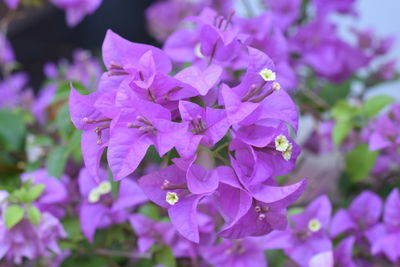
343	111
56	161
63	122
34	214
359	162
73	228
35	191
374	105
165	257
332	93
13	215
294	211
12	130
150	210
340	131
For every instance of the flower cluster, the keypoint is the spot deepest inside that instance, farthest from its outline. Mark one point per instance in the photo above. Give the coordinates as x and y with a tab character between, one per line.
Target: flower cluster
30	225
191	118
309	242
189	155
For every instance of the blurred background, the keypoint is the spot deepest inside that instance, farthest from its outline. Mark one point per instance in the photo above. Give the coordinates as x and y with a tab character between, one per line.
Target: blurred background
42	35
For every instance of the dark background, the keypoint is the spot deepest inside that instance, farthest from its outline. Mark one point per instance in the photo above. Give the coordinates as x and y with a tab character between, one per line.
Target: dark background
41	35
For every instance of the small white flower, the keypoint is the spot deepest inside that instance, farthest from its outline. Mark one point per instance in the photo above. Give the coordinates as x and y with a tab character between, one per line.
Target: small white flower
287	154
172	198
281	143
268	75
94	195
314	225
104	187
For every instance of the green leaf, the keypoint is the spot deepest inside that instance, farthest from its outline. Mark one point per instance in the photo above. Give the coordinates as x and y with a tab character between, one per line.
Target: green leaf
13	215
374	105
150	210
35	191
332	93
294	211
34	214
12	130
359	162
165	257
56	161
343	111
73	228
63	122
340	131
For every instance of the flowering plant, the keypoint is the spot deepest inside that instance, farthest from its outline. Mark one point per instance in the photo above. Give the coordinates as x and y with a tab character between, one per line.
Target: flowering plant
195	154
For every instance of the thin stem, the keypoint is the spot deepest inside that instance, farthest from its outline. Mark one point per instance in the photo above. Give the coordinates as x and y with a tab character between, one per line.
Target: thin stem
220	148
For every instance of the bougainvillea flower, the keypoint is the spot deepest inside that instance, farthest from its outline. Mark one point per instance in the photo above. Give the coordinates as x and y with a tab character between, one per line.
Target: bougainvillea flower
12	93
150	232
99	209
6	52
388	241
76	10
207	126
140	125
31	241
344	252
308	237
55	194
168	188
85	116
363	213
235	253
262	207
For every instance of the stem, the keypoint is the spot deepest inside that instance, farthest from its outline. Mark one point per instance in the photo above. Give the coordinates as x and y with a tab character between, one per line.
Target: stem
118	253
313	96
221	147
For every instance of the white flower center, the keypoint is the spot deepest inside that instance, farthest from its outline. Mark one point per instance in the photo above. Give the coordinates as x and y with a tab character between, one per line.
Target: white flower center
172	198
94	195
281	143
314	225
104	187
287	154
268	75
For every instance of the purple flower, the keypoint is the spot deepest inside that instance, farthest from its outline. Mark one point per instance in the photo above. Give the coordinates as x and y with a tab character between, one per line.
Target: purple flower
12	93
206	126
55	194
31	241
343	254
384	133
6	52
363	213
308	237
386	239
76	10
12	4
150	232
42	102
235	253
99	209
284	12
168	189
